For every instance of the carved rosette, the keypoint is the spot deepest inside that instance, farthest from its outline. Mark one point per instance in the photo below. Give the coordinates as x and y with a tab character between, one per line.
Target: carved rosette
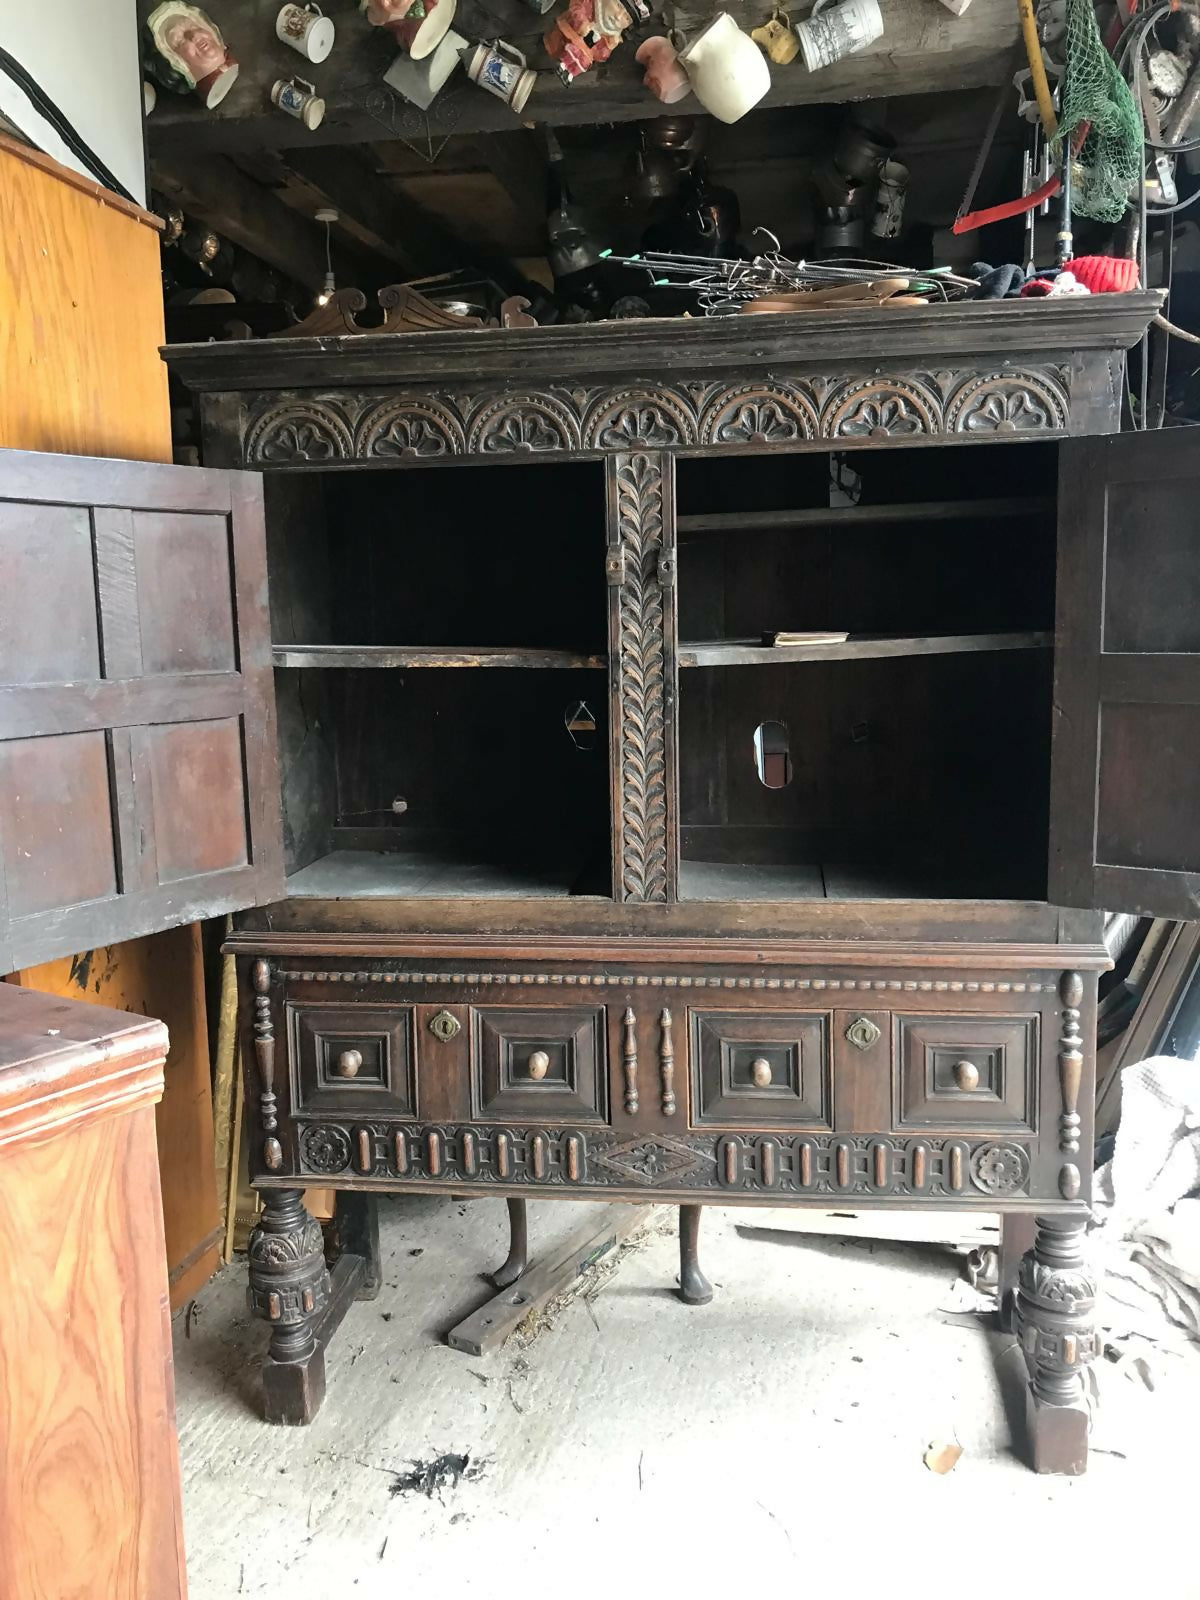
637	485
325	1150
881	408
1056	1297
1001	1168
656	419
758	414
532	424
299	431
413	428
289	1284
1009	402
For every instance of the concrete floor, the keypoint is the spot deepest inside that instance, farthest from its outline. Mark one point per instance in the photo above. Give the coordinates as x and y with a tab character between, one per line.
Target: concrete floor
759	1446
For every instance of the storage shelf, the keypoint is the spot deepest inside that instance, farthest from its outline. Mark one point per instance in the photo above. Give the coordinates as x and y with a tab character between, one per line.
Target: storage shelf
357	655
745	653
851	516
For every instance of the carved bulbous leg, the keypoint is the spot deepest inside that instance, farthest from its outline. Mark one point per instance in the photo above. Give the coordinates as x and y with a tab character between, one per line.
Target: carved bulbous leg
518	1246
289	1287
694	1287
1056	1297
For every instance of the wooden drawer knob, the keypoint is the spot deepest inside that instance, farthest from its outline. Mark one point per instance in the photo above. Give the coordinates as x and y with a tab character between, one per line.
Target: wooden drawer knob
760	1072
966	1075
348	1064
539	1064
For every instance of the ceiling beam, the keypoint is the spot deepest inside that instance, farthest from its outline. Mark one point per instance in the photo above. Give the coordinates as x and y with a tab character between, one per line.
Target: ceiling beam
217	193
925	49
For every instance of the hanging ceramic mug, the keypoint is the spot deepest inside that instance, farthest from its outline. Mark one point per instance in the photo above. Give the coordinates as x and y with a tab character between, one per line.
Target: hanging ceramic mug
777	38
502	70
299	100
728	71
664	75
831	31
307	30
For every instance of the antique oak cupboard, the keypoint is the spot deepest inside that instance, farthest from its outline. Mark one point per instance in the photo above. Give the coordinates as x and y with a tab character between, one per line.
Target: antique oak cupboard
579	888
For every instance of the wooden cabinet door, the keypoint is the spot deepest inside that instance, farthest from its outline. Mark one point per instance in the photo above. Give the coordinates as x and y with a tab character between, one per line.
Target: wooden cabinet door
1125	780
139	784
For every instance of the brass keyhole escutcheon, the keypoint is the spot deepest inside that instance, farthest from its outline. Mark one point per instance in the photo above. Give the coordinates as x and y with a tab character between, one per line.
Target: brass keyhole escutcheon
539	1064
966	1075
760	1072
862	1033
348	1064
445	1026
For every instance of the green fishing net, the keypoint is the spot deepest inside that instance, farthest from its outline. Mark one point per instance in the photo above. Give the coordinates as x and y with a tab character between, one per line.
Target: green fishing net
1094	92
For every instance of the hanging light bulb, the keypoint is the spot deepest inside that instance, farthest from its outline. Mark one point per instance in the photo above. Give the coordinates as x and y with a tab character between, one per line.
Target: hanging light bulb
328	217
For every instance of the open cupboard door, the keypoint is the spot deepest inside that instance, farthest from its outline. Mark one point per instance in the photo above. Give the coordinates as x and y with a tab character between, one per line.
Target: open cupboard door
1125	776
139	783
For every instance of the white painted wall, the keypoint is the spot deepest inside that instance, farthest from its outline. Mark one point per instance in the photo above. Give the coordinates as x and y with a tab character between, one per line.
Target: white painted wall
84	54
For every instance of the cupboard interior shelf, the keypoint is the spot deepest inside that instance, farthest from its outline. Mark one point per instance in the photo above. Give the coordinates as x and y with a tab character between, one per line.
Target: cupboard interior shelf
357	655
850	516
746	653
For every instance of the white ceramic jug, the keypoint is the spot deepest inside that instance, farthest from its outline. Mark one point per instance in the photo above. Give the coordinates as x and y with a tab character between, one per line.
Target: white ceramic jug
728	71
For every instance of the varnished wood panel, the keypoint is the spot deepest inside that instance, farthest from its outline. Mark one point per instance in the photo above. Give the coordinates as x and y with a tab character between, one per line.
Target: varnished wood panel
163	976
89	1479
81	308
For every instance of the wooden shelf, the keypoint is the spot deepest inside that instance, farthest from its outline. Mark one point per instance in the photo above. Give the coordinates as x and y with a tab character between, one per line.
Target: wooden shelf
745	653
361	655
855	516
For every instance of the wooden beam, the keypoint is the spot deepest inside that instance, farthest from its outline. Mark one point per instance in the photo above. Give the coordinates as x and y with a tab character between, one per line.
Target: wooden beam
217	192
411	231
518	163
925	49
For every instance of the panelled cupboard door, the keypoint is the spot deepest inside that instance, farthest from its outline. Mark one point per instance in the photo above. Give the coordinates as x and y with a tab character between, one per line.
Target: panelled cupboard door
1125	779
139	783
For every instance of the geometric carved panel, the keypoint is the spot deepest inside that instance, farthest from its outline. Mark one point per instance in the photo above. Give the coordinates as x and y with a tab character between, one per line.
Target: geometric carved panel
970	1072
359	1061
545	1064
761	1069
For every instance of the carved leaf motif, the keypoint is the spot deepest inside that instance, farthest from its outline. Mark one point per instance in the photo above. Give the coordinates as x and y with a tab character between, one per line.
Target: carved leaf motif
298	440
758	422
642	680
279	1249
523	429
646	424
1009	411
888	414
411	435
1011	402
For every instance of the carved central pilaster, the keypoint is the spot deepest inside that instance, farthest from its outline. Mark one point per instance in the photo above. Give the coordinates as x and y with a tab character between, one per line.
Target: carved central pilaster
641	575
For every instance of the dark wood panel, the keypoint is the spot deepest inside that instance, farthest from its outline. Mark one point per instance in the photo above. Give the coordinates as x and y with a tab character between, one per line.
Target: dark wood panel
184	562
47	598
195	768
139	801
1125	798
55	822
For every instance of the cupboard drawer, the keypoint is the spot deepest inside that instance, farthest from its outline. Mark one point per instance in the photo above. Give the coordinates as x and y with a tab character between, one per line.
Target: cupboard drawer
542	1064
765	1069
967	1071
360	1060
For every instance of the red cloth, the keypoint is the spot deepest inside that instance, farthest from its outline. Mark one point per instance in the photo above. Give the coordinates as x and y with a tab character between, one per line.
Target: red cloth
1105	274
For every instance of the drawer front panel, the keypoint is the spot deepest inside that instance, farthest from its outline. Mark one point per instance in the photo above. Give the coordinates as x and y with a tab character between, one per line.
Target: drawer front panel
967	1071
539	1064
759	1069
360	1060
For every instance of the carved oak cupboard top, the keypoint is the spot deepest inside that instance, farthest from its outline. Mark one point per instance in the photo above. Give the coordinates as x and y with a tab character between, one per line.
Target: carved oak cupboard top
969	370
